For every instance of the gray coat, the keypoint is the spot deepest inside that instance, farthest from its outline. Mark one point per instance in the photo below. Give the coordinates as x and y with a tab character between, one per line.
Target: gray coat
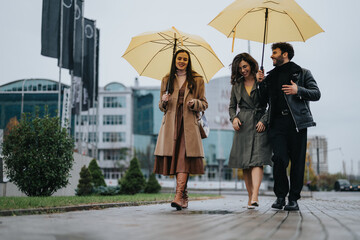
249	148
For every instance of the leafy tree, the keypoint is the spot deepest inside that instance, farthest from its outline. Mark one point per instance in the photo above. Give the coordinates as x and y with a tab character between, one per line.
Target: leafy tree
134	181
152	185
96	174
38	154
13	122
121	164
84	187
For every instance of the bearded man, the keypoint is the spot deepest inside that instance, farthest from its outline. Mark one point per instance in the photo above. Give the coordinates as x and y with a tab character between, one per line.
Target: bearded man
288	88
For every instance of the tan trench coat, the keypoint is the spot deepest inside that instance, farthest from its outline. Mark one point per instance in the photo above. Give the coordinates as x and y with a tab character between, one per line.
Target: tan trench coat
193	143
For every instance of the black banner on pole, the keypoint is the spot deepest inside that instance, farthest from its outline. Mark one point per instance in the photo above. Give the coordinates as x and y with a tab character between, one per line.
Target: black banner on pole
97	64
76	95
50	28
78	38
67	34
88	64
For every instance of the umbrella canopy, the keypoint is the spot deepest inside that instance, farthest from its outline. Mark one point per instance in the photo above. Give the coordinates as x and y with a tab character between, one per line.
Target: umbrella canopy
266	21
151	53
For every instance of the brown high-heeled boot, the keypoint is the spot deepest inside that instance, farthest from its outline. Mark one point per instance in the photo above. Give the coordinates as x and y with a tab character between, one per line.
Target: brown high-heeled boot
180	187
185	199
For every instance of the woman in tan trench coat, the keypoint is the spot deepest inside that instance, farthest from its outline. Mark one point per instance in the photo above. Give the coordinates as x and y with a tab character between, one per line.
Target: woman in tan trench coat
250	149
179	150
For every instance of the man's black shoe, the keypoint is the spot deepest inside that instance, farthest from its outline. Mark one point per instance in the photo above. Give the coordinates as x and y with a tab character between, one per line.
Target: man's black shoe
279	203
291	206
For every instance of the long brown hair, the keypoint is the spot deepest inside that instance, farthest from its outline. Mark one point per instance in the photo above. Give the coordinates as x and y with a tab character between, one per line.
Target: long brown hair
189	73
235	73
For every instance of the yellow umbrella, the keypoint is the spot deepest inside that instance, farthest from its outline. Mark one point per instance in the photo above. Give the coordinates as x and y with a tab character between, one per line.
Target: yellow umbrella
266	21
151	53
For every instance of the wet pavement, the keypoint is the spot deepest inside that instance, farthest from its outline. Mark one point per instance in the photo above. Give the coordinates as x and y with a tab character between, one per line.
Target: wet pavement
323	216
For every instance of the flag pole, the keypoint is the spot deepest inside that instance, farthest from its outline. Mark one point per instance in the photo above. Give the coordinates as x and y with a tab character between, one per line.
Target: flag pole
82	75
72	71
94	86
60	57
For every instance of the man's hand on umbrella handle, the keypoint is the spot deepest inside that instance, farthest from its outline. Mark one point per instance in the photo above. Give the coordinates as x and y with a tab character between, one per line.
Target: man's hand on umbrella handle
165	97
236	124
290	89
260	76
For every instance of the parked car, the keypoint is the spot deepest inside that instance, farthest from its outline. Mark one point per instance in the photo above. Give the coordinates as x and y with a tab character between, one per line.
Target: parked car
355	187
342	185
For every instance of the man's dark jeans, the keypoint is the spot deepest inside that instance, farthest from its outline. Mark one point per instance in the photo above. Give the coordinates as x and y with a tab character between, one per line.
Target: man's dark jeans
287	144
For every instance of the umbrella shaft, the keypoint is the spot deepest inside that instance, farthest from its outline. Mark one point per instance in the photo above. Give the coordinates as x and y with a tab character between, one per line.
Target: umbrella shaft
265	30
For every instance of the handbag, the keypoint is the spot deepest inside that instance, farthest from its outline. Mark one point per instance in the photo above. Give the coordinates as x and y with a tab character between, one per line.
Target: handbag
203	125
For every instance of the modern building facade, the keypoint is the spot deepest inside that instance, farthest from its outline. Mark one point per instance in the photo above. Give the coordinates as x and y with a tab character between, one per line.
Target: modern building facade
25	95
318	152
105	132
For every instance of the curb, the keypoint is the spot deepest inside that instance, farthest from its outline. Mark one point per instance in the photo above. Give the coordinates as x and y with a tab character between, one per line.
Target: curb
34	211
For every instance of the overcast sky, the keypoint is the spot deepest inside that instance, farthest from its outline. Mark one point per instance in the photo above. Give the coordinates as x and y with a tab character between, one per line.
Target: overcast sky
332	56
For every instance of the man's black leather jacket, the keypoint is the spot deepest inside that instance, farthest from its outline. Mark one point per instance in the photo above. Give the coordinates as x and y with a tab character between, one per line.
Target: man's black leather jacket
299	103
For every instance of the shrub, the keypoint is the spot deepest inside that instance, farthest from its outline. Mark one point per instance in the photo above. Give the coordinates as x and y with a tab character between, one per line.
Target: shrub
134	181
152	185
96	174
84	187
38	154
107	191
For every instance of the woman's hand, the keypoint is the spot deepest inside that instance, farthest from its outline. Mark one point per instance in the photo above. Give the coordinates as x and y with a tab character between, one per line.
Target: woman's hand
165	97
260	127
191	103
236	124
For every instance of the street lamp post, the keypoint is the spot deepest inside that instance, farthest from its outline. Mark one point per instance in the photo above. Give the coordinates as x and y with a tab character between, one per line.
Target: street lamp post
221	164
317	156
22	98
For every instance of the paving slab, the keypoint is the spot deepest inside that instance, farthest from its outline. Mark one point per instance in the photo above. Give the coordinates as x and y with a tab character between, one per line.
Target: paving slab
322	216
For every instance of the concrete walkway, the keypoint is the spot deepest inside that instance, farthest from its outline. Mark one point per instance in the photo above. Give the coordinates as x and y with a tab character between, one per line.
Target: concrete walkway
324	216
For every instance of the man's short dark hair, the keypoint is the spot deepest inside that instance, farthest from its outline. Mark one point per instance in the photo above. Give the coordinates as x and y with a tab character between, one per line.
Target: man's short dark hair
284	47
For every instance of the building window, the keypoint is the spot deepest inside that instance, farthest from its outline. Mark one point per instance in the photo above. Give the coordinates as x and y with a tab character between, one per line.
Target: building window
92	120
111	173
114	155
80	137
83	120
114	137
114	120
114	102
92	137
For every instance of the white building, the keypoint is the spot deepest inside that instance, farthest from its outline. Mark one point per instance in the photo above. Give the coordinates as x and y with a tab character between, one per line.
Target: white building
114	128
318	151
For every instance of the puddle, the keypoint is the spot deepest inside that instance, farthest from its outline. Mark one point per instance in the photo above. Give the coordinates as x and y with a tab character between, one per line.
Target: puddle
211	212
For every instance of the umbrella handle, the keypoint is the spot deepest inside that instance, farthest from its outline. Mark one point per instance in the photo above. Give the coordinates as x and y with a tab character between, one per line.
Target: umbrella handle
265	31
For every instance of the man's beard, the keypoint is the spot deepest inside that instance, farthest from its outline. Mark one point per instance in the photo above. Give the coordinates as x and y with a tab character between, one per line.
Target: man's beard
278	61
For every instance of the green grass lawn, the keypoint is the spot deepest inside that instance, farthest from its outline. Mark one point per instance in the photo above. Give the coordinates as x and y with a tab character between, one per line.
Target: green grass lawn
11	203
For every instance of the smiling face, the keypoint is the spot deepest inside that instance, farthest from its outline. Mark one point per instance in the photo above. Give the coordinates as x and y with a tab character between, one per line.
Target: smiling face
244	68
182	60
278	57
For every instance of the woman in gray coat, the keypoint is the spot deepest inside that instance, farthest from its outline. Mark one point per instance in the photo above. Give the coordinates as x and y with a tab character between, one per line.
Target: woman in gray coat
250	149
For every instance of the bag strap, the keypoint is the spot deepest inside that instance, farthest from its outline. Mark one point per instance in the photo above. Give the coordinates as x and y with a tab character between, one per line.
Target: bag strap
199	115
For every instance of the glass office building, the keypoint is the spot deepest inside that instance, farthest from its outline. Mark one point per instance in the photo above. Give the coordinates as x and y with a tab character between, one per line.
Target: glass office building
27	94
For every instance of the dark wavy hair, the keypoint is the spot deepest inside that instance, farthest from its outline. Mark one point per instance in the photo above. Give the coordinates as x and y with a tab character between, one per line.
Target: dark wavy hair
189	73
284	47
235	69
